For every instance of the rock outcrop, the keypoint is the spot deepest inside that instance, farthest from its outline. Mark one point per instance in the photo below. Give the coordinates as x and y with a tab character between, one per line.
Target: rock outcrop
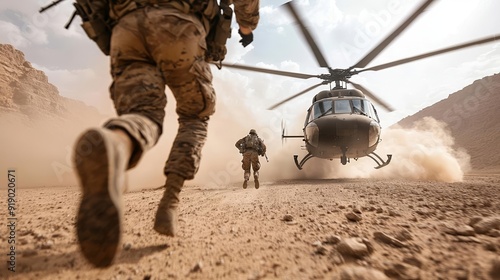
26	93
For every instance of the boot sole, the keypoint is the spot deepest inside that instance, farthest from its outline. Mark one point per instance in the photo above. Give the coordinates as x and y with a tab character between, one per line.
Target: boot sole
99	216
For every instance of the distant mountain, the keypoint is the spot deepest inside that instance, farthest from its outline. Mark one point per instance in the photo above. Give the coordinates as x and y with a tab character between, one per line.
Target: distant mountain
473	117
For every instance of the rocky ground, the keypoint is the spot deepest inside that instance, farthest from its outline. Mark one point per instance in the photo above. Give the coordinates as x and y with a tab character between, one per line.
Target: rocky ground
297	229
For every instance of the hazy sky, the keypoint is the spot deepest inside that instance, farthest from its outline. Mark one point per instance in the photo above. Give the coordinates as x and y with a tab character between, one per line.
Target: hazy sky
345	30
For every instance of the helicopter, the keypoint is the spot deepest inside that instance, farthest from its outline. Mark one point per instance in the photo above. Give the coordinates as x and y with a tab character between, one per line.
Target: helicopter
342	122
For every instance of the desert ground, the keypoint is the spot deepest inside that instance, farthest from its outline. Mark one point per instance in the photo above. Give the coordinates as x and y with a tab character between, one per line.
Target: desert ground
289	229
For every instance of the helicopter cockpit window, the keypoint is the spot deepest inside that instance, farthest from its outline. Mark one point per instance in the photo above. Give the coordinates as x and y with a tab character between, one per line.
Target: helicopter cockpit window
320	109
367	108
342	107
359	107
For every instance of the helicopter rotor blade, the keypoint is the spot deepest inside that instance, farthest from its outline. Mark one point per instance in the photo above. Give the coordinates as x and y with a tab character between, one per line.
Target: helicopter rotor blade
372	96
296	95
429	54
270	71
312	44
376	51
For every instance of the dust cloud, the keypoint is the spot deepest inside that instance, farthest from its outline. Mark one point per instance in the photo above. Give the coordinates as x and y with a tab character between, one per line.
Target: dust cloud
425	151
39	149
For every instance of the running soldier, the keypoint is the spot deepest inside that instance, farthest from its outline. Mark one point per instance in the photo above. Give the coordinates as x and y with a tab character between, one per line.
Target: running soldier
153	44
251	146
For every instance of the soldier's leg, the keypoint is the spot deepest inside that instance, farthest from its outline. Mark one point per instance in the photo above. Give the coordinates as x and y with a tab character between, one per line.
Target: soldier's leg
103	154
246	165
182	64
256	168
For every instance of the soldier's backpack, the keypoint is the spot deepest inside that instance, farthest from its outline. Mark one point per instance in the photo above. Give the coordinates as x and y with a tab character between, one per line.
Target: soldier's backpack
252	142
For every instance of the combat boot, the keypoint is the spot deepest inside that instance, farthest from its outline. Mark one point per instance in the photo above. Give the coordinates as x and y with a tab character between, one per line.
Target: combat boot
166	216
246	176
256	179
101	158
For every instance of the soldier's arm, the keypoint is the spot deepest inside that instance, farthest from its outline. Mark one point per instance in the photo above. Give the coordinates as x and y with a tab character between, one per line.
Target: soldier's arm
247	14
238	143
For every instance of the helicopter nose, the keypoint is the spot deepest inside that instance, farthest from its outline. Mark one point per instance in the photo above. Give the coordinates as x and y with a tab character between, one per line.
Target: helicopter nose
346	131
373	134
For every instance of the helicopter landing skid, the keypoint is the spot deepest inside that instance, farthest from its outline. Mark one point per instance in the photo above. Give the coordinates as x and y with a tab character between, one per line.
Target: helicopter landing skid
380	162
303	161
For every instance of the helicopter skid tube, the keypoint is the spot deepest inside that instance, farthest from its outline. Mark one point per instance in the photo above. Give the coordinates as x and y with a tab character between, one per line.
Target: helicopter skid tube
380	162
303	161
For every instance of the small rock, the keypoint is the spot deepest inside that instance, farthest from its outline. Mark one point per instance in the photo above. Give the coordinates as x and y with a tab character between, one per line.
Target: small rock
487	224
197	267
127	246
387	239
351	216
403	271
353	247
332	240
287	218
321	250
404	235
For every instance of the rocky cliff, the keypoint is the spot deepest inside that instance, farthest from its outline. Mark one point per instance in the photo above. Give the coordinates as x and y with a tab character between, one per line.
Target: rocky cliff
38	126
473	117
26	93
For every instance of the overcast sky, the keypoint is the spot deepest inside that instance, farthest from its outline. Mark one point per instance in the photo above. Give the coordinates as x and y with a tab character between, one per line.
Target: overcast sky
345	31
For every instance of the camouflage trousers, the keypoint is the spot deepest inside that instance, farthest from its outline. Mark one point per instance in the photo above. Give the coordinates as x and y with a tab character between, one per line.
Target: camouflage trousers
152	47
250	159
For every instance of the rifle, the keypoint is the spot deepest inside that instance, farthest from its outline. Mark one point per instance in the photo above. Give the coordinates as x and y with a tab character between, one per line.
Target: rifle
266	157
95	22
78	11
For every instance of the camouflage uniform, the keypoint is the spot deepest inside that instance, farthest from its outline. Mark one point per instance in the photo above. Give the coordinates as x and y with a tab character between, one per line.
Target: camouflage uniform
154	45
251	154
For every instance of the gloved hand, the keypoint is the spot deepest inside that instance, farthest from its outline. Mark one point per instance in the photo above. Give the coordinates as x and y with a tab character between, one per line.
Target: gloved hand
245	39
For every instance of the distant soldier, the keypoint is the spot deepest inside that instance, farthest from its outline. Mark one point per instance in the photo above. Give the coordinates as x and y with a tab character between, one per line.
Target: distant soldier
251	146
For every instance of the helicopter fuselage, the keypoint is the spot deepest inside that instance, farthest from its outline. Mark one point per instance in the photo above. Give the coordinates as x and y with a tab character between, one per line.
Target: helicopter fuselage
341	123
336	135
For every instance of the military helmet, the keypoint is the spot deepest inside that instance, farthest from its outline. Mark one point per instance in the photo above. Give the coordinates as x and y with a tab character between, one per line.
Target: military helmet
252	131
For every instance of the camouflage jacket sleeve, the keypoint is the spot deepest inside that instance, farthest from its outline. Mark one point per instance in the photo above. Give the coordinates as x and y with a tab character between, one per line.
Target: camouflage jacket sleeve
247	12
239	142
